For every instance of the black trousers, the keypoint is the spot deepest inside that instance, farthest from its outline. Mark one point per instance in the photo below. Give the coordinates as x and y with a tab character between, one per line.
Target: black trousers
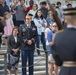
67	71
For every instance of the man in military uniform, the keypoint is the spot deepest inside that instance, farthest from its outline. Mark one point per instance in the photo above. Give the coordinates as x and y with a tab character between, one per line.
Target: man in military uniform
28	34
64	48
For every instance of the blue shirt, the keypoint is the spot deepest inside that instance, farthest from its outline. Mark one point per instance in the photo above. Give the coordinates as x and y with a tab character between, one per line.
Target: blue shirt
49	36
8	2
49	20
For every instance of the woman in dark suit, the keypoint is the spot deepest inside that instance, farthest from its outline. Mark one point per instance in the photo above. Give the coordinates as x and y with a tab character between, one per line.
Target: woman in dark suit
13	51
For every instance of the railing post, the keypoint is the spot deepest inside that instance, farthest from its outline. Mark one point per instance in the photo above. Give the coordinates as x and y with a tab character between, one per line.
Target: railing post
5	64
46	53
46	62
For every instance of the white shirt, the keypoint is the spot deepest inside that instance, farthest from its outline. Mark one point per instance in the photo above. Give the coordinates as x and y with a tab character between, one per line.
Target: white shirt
38	25
28	25
40	28
43	21
8	3
33	13
47	30
15	37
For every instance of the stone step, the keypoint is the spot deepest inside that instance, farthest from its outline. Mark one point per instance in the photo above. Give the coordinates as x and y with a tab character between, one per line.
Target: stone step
35	73
40	66
36	63
39	63
36	68
35	57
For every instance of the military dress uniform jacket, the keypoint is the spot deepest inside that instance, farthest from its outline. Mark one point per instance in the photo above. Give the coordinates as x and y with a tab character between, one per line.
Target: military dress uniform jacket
64	49
28	33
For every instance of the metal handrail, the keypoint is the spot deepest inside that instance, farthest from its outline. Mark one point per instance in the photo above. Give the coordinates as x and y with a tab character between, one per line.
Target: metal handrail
5	63
46	52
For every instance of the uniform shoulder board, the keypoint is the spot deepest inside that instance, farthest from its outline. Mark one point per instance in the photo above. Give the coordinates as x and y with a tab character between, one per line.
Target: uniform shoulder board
59	31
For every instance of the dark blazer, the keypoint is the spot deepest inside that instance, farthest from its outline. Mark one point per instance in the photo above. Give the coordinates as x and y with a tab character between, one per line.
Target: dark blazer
12	44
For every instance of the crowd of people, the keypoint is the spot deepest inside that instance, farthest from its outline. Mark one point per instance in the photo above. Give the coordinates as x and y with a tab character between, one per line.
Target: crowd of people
23	28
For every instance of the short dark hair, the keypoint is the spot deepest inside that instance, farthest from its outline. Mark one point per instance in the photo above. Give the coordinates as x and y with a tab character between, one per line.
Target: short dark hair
44	3
58	3
31	2
69	5
53	4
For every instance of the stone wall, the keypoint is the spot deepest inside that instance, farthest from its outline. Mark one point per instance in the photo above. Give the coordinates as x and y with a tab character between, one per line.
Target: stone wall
51	1
55	1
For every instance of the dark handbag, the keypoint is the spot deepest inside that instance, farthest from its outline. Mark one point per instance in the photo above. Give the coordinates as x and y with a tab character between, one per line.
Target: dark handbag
12	60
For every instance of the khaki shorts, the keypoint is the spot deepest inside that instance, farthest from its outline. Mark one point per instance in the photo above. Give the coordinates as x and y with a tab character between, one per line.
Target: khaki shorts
51	59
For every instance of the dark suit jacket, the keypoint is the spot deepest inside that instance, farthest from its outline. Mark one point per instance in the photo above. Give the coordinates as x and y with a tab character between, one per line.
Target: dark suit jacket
12	44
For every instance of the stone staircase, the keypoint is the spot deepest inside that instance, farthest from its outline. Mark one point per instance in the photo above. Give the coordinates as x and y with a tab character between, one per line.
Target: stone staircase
39	64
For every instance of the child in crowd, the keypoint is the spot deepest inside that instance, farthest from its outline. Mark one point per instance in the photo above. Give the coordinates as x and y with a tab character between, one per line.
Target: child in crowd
8	26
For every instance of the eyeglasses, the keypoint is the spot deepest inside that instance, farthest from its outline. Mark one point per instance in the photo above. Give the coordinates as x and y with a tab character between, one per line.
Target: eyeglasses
39	12
54	26
34	6
28	18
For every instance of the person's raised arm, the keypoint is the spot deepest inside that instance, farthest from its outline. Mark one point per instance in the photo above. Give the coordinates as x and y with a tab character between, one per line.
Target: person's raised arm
15	4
